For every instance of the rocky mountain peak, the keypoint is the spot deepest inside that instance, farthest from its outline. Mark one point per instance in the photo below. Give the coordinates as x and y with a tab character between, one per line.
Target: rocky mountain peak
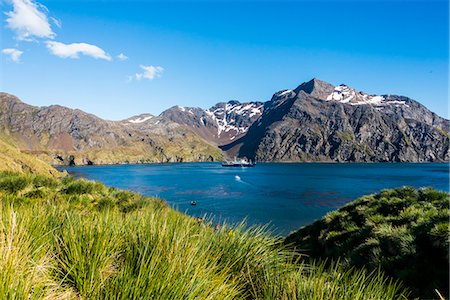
342	93
9	101
316	88
5	97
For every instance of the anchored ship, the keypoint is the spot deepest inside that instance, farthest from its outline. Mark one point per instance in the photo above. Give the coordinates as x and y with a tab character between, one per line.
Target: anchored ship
241	162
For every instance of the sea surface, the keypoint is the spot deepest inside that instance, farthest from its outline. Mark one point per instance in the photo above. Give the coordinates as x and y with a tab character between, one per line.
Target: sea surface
285	196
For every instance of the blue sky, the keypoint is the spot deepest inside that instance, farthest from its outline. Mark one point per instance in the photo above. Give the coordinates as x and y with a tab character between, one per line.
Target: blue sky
201	53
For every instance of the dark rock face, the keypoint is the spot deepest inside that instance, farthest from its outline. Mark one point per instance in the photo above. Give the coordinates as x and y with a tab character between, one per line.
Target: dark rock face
318	122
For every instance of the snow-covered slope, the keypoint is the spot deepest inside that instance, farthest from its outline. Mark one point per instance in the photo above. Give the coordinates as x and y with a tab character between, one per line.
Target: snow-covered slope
234	118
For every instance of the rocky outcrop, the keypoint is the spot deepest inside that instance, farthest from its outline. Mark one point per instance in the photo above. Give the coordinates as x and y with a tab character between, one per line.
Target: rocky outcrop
320	122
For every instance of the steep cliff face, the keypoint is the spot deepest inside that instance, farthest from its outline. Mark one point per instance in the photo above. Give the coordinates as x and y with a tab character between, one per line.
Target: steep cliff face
61	135
320	122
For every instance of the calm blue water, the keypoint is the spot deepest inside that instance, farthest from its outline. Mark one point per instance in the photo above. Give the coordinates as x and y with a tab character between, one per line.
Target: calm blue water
287	196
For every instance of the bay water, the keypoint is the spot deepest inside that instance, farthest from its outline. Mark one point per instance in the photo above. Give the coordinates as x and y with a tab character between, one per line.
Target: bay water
285	196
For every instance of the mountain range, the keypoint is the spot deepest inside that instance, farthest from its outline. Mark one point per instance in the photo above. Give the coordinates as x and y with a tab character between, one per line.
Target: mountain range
316	121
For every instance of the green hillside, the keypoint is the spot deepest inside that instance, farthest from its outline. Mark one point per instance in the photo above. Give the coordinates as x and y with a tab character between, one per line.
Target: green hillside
404	232
12	159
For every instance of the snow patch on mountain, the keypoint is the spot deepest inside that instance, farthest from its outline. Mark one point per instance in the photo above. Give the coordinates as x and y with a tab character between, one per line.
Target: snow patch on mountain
140	119
286	92
345	94
342	94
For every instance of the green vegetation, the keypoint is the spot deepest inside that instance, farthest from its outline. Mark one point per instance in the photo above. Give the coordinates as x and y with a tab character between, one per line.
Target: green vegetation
404	232
76	239
346	136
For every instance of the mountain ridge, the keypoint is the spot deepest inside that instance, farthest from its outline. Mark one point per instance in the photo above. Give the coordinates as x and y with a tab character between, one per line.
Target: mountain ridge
61	135
316	121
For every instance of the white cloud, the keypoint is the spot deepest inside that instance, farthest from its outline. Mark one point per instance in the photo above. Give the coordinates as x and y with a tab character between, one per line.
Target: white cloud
14	54
150	72
75	49
122	57
29	19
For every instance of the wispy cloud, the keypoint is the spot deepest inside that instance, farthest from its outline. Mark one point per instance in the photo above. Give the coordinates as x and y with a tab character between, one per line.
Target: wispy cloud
28	19
150	72
74	50
122	57
13	54
57	22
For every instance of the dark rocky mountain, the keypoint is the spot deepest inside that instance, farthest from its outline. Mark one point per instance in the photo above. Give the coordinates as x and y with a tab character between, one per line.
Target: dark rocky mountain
61	135
320	122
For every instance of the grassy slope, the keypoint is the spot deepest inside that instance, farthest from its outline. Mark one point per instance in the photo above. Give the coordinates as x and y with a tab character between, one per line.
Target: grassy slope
189	151
70	238
12	159
405	232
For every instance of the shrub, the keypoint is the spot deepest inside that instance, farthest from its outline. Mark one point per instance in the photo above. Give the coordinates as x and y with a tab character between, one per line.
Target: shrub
80	187
44	181
13	184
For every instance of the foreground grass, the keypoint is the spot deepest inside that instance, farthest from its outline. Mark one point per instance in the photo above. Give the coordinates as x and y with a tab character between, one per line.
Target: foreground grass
72	239
404	232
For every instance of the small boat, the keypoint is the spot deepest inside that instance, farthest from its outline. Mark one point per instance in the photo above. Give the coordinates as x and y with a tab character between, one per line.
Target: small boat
242	162
193	203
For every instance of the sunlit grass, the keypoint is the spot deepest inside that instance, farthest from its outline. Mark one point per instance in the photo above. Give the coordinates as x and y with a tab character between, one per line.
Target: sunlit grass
79	239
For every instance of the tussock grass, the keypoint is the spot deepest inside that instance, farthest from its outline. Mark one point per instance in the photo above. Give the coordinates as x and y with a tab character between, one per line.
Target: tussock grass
81	240
403	231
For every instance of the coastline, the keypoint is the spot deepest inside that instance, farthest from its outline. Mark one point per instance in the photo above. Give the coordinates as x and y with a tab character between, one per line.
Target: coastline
258	162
